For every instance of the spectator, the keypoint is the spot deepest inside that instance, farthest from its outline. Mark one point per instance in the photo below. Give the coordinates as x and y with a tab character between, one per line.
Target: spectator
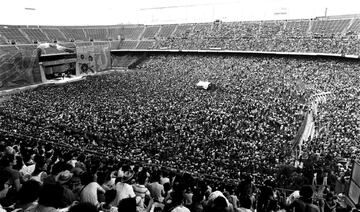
90	189
49	198
177	204
123	189
28	195
64	179
141	192
304	203
127	204
156	189
39	173
109	197
4	186
7	163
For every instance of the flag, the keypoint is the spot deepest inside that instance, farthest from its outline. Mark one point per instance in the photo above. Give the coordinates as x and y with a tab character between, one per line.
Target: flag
203	84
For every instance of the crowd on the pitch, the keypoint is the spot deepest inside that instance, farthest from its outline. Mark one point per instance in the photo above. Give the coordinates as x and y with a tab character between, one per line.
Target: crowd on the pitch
244	125
249	36
157	115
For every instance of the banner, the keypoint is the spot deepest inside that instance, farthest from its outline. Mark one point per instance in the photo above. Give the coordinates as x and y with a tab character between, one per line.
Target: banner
19	66
102	56
321	97
93	58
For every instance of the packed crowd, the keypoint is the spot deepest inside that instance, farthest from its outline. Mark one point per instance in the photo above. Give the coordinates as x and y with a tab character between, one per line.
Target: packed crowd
243	126
255	36
158	116
40	176
337	124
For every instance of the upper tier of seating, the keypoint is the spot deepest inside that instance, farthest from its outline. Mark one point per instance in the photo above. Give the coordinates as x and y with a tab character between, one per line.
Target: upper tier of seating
35	34
13	35
150	32
166	31
330	26
355	26
74	33
293	28
96	33
145	45
2	40
182	30
54	34
303	35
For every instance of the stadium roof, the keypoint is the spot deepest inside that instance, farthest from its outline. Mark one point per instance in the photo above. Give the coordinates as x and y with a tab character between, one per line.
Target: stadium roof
106	12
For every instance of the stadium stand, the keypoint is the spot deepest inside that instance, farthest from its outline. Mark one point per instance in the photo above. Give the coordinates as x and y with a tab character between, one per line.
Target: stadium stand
272	28
131	33
150	32
296	28
166	31
329	26
13	34
236	139
99	34
35	34
318	35
248	29
114	33
54	34
145	44
355	26
115	44
3	40
200	29
76	34
181	30
128	44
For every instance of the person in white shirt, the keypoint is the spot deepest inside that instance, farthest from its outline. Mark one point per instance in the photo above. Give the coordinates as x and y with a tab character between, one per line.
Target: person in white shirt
89	192
123	189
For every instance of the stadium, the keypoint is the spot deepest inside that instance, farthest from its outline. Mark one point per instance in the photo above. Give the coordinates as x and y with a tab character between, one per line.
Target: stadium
181	112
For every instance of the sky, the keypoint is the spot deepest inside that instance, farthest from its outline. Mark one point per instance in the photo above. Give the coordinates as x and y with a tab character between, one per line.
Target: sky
109	12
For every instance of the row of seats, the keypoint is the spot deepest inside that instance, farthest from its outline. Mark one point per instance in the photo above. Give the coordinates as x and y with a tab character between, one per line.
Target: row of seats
31	34
330	26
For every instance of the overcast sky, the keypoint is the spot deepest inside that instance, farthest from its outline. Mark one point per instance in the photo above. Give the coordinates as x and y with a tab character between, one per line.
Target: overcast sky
85	12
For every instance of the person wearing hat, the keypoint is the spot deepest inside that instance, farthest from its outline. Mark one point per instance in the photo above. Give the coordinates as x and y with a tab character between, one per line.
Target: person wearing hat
123	189
64	179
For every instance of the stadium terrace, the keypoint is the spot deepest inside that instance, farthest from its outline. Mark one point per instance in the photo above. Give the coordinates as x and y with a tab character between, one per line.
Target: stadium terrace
222	116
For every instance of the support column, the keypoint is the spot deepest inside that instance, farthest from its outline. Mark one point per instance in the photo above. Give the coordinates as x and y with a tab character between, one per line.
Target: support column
42	72
78	70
